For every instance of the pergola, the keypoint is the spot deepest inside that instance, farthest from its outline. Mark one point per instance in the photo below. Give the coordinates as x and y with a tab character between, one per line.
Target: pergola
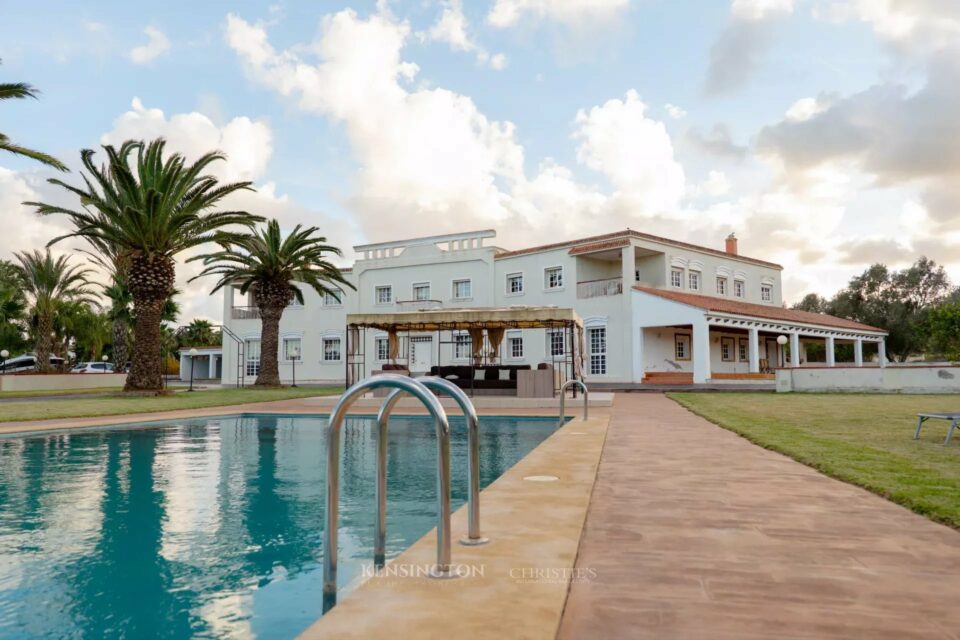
486	327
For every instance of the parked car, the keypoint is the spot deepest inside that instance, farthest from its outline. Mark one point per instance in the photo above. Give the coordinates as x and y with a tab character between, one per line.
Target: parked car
93	367
27	362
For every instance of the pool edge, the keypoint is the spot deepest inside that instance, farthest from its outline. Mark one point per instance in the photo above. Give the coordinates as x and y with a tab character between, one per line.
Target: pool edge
535	530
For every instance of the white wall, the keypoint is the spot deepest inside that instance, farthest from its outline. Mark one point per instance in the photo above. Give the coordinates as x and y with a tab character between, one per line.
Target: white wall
870	379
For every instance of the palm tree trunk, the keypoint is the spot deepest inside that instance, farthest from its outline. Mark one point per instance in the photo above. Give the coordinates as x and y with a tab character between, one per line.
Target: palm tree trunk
269	375
44	343
121	354
145	371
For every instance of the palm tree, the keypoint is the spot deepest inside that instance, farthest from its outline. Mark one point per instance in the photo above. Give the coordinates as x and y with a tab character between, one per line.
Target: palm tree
19	91
146	210
266	264
50	283
199	333
13	309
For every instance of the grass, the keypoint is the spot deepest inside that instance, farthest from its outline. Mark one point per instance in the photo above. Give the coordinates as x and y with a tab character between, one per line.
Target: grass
862	439
121	405
56	392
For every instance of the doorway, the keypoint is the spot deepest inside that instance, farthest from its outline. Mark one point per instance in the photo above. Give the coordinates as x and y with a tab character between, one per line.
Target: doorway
421	354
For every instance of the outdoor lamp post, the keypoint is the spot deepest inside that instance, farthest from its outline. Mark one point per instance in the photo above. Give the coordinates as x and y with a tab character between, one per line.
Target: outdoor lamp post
782	341
4	355
193	357
294	356
104	359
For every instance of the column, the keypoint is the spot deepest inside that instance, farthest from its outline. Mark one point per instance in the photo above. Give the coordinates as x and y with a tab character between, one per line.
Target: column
184	368
831	352
701	351
627	330
794	349
882	352
211	366
858	352
754	350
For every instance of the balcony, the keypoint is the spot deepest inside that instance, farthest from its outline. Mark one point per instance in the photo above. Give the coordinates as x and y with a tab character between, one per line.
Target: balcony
600	288
418	305
245	313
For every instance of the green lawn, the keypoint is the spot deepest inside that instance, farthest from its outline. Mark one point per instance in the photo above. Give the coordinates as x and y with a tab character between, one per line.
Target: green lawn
119	405
862	439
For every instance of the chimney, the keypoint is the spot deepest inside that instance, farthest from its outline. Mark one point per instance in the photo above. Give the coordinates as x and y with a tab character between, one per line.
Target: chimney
731	244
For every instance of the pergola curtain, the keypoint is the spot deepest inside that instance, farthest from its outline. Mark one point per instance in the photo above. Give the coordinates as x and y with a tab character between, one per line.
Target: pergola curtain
495	336
393	344
476	344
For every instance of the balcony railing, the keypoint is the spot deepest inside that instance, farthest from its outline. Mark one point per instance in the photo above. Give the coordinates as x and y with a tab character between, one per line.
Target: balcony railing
245	313
417	305
598	288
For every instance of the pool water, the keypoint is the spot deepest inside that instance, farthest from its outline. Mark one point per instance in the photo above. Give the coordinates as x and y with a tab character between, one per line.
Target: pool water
211	527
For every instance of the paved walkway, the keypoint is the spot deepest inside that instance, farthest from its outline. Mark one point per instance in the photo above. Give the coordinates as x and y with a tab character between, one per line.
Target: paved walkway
695	533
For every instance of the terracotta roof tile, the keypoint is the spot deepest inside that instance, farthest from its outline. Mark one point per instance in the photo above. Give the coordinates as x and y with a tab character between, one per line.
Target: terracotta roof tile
599	246
725	305
630	233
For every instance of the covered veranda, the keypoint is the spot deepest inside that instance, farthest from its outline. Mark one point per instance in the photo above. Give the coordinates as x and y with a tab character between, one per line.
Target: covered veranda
713	339
452	342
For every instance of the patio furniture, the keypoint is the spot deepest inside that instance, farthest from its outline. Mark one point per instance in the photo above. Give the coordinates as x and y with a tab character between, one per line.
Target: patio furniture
954	418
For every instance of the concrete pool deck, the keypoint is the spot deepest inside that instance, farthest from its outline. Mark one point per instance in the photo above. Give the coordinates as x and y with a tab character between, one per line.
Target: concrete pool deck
694	532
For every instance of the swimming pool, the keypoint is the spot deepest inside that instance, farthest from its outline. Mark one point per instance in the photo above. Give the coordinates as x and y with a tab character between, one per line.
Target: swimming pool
211	527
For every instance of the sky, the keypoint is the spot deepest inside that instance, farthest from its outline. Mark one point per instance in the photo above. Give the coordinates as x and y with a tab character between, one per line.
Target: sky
822	132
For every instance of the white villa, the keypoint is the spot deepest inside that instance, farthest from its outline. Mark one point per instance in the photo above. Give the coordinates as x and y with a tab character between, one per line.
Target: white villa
653	310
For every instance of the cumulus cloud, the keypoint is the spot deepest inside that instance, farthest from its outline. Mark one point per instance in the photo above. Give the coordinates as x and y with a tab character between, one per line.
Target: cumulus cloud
741	46
452	28
157	44
912	27
718	142
675	112
570	13
430	161
872	250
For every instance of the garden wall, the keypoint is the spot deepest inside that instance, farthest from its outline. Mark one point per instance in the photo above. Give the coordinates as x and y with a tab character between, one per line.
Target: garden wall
61	382
910	379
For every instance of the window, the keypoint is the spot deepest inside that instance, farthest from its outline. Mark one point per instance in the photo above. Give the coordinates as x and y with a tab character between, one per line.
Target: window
676	278
333	298
462	346
681	343
636	275
597	339
553	278
462	289
514	283
384	294
721	286
291	349
331	349
738	288
556	342
383	349
252	349
766	292
744	355
726	349
693	280
515	345
421	291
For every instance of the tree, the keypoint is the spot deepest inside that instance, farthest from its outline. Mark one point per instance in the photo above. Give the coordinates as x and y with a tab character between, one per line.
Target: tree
199	333
898	301
50	283
813	303
268	265
20	91
147	209
942	330
83	329
13	309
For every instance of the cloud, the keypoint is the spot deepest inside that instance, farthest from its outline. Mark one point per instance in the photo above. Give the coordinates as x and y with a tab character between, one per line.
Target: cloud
632	150
873	250
741	46
675	112
718	142
157	44
452	28
570	13
910	27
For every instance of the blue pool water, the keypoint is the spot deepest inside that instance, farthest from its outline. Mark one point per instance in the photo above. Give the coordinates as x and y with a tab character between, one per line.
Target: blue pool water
210	527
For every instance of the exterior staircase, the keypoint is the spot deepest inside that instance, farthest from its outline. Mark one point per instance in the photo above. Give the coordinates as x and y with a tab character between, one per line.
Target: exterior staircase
668	377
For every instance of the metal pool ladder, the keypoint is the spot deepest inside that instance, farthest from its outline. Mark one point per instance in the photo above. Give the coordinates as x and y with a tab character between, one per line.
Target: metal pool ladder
400	384
563	398
439	385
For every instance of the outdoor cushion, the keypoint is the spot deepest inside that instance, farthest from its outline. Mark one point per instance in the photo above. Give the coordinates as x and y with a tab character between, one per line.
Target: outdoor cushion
453	376
479	374
507	374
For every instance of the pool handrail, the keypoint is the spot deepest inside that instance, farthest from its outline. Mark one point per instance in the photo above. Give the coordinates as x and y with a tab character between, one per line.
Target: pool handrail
563	398
337	416
473	537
